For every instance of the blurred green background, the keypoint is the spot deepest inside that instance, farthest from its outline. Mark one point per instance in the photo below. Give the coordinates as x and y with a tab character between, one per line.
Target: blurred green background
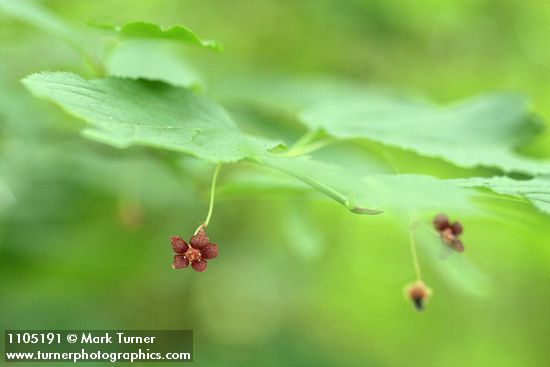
299	281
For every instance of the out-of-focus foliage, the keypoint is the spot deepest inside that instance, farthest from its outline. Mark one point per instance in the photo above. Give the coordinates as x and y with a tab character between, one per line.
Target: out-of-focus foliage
144	30
299	281
152	61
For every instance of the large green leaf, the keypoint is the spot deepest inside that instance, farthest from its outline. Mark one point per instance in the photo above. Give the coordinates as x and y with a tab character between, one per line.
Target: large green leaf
481	132
146	30
123	112
536	190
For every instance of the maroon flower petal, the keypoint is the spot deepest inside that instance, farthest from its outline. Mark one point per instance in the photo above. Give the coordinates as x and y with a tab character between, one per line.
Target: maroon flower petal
199	265
178	244
458	246
441	221
180	261
209	251
199	240
457	229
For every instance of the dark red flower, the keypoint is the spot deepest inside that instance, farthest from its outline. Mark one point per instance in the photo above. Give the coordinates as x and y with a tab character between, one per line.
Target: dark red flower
195	253
449	232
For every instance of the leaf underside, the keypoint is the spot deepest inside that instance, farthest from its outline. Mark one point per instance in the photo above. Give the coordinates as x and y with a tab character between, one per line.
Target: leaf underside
483	131
536	191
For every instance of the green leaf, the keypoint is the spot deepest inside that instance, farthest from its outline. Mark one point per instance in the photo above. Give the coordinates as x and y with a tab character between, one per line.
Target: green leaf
125	112
480	132
153	61
483	131
536	191
270	123
375	193
146	30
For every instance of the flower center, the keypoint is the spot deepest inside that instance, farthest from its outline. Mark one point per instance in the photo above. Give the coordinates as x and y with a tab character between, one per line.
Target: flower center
192	254
448	236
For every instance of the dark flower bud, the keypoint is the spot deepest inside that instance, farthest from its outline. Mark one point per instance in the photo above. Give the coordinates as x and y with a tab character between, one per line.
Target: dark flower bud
180	261
441	221
199	240
199	265
418	293
178	244
456	228
210	251
418	300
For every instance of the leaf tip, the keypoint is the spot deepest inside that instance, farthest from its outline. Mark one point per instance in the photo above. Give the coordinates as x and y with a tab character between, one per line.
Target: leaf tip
360	210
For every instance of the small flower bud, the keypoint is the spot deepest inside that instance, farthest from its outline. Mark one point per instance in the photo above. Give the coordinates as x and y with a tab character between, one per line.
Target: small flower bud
178	244
199	265
180	261
441	221
210	251
418	293
199	240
